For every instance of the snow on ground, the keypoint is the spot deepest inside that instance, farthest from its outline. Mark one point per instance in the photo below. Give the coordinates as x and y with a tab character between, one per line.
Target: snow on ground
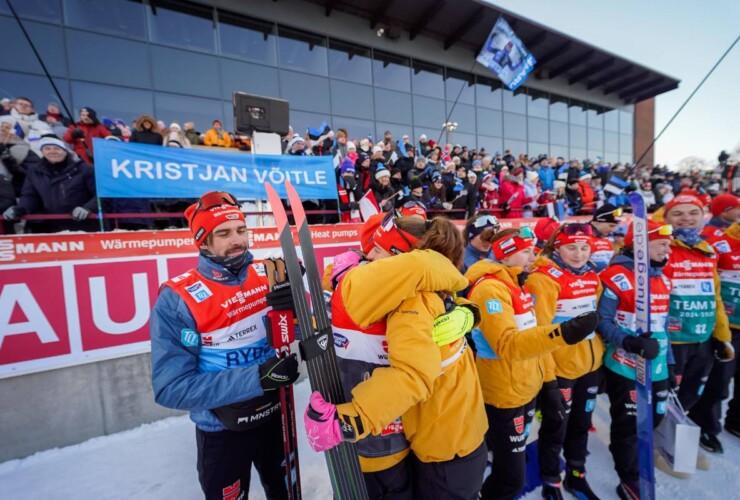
157	461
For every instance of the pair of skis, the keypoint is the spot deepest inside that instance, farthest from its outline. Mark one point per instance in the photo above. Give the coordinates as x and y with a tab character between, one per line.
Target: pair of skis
643	368
317	344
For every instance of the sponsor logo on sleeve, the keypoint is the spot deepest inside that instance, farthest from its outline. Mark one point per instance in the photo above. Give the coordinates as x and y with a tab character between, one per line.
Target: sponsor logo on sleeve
188	337
494	306
622	282
555	272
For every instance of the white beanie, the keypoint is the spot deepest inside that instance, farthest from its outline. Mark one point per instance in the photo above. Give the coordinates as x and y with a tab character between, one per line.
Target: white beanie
532	176
382	172
351	145
53	141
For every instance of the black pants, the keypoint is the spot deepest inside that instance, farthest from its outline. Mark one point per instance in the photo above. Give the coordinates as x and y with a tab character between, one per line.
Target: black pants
225	461
456	479
623	410
707	412
391	484
508	429
571	434
693	364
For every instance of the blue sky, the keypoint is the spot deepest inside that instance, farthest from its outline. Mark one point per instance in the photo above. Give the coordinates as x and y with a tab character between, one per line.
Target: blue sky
681	38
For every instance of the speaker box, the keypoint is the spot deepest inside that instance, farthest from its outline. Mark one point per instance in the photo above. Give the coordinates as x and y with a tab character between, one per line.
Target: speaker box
263	114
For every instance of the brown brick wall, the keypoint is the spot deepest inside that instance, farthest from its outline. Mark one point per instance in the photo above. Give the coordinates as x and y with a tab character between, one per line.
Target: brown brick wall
644	130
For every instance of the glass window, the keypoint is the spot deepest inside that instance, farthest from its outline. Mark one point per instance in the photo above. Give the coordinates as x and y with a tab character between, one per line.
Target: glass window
558	151
490	144
43	10
228	121
247	39
113	102
349	62
356	129
175	71
490	122
18	55
391	72
302	120
559	133
516	147
595	120
192	30
625	145
577	115
305	92
626	121
394	107
179	108
625	158
129	67
460	84
538	130
429	112
351	99
577	154
537	104
302	51
464	115
238	76
515	127
611	120
538	148
559	111
515	103
611	142
596	141
397	131
108	16
577	136
488	95
428	80
433	134
36	88
461	139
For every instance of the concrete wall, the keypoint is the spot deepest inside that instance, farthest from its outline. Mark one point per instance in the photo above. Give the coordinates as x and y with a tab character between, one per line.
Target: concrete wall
67	406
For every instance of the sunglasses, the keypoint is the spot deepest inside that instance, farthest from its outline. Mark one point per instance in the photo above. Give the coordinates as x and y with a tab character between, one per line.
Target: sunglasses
664	230
575	228
214	199
487	220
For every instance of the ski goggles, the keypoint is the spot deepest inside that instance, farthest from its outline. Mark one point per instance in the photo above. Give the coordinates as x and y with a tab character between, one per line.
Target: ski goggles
214	199
506	247
413	208
574	233
392	238
664	230
610	216
482	223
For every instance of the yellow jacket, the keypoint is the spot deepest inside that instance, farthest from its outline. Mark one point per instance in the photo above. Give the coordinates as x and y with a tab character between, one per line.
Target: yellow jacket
211	138
570	361
516	377
434	389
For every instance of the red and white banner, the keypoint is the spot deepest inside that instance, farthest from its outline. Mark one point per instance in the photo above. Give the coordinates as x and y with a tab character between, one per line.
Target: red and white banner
73	298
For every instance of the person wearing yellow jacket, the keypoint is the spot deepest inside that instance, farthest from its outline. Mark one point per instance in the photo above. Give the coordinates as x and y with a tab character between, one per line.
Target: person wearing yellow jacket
565	285
512	352
433	387
216	136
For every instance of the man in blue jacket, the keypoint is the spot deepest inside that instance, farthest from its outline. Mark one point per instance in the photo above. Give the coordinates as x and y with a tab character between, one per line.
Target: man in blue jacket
210	354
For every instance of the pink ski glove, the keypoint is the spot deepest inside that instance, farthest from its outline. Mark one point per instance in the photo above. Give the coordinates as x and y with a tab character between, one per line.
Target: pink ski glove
322	423
342	264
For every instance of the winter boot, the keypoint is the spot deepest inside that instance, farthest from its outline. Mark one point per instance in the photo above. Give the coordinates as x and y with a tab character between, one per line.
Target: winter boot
662	465
551	491
629	490
575	483
710	443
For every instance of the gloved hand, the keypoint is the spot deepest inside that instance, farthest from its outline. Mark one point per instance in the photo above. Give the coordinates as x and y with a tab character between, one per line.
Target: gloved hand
323	426
78	134
453	325
80	213
672	380
353	205
552	401
278	372
11	213
642	346
280	298
576	329
723	351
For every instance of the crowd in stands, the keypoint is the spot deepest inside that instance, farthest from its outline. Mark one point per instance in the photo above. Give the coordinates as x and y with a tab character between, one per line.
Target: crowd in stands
46	167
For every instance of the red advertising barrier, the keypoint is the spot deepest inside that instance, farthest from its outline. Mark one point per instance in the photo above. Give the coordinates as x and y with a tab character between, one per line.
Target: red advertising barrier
73	298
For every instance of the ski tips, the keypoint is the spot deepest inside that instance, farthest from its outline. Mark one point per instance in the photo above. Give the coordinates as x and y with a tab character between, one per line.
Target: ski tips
281	218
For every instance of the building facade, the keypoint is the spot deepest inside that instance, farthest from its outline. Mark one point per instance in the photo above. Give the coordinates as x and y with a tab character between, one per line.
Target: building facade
182	62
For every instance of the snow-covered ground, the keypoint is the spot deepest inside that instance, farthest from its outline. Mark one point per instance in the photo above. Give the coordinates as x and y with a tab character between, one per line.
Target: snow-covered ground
157	461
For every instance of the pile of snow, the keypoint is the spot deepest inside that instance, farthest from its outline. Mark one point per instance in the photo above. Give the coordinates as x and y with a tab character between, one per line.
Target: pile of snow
157	461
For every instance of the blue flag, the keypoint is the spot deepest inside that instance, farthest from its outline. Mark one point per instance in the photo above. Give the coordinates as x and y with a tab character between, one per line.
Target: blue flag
506	55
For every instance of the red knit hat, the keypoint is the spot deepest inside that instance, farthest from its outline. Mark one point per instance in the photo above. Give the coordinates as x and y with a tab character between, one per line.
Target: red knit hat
704	197
392	238
655	232
545	227
683	199
212	210
724	203
367	232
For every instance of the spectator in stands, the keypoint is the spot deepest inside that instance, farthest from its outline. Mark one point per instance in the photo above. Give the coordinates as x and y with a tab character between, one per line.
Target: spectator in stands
60	184
465	195
362	167
80	135
511	194
384	194
405	161
146	131
646	190
5	106
377	158
296	146
341	144
191	134
424	147
416	193
588	196
15	157
54	115
573	196
25	116
349	191
216	136
397	181
532	191
435	195
421	171
176	138
488	192
547	174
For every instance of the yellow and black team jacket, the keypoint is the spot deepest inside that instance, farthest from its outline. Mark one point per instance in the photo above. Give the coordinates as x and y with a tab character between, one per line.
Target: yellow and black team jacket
435	389
513	352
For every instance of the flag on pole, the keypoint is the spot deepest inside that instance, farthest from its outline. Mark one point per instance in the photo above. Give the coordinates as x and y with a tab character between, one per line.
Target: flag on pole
504	54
